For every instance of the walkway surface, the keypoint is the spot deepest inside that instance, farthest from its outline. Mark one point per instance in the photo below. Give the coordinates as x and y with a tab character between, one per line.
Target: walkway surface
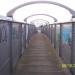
39	58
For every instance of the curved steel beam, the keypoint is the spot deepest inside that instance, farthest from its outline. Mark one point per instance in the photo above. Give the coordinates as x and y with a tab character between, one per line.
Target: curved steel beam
40	19
40	14
11	12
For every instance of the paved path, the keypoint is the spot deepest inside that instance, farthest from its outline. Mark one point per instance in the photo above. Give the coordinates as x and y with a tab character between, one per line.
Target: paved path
39	58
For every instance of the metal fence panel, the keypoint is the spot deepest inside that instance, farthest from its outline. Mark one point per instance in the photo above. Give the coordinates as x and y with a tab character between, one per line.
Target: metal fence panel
23	37
16	42
66	42
57	38
4	48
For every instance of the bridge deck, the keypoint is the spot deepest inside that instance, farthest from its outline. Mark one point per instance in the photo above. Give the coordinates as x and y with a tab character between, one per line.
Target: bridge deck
39	58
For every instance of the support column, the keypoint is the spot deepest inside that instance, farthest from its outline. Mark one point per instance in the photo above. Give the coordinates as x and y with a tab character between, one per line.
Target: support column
11	17
51	33
47	31
73	48
60	44
25	36
55	36
20	39
10	48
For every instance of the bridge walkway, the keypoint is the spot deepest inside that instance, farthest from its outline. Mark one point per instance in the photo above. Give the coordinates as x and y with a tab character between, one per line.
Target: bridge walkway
39	58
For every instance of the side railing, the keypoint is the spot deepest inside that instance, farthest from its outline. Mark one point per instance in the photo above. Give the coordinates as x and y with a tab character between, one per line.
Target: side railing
62	38
13	40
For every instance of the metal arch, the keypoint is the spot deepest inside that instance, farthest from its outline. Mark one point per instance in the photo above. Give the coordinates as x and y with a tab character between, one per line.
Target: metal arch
11	12
40	14
40	19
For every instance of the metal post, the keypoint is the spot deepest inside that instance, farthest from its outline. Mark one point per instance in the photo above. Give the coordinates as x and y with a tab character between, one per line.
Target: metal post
55	36
60	44
48	31
29	34
73	47
51	33
24	37
10	48
20	39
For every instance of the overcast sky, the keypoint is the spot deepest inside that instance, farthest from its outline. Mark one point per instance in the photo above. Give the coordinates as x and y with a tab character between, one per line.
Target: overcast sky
58	12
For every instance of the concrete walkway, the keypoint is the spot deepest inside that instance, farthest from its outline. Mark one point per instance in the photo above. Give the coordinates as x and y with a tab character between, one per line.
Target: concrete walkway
39	58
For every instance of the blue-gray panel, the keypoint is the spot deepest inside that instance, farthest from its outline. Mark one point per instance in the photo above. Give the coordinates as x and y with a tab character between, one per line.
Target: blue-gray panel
16	43
4	48
23	37
66	42
53	35
5	69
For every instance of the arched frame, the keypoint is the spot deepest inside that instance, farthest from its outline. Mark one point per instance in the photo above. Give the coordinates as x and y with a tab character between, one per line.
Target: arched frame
40	19
11	12
40	14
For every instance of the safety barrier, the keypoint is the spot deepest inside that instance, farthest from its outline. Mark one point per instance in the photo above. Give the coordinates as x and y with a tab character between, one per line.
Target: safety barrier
13	39
62	37
31	30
